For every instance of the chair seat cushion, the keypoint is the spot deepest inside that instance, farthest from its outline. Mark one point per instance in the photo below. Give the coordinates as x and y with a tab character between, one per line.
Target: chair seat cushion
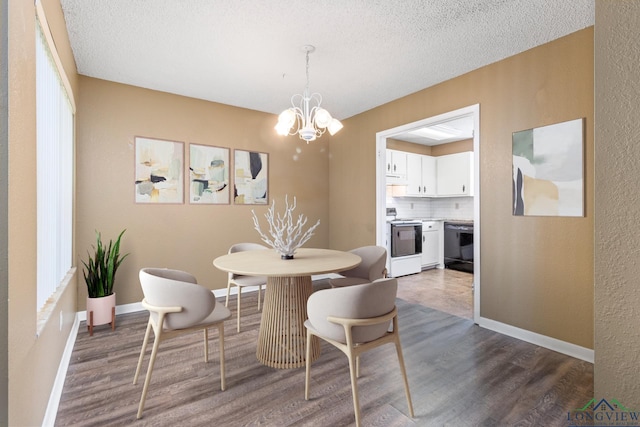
219	314
347	281
249	280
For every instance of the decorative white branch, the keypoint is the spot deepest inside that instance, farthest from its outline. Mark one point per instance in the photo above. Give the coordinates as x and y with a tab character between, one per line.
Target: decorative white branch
284	236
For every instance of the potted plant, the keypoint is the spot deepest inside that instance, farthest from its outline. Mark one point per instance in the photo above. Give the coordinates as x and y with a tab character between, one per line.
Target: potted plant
99	276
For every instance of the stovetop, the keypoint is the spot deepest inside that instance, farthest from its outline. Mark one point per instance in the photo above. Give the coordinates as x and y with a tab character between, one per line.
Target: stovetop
392	217
404	221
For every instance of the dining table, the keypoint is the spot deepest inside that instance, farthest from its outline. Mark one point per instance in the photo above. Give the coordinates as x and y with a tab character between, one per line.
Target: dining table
282	335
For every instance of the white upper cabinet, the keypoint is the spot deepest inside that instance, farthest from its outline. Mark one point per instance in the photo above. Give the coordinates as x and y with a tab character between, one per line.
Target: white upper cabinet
396	166
429	176
455	175
421	175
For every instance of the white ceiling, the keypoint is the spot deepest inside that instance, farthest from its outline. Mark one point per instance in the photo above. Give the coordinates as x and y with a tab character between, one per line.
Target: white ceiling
248	53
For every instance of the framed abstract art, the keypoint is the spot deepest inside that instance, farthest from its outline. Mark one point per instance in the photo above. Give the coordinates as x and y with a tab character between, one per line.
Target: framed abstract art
250	178
548	170
159	176
208	174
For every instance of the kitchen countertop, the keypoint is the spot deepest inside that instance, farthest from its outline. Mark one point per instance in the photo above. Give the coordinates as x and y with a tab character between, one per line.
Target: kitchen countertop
459	221
465	221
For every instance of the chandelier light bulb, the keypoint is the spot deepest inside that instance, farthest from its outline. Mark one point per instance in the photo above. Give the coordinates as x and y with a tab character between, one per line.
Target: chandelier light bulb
323	118
334	126
286	120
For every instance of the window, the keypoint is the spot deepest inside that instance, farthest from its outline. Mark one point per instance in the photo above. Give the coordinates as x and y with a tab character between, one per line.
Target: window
54	169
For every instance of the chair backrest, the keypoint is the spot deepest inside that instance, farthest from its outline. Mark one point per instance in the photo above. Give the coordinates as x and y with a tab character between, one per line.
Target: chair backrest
174	288
353	302
374	259
241	247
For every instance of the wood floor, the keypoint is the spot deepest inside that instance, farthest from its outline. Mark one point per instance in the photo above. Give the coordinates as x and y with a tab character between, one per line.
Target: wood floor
459	374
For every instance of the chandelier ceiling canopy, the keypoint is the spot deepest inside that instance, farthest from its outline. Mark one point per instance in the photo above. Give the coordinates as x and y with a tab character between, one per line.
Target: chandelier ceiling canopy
305	116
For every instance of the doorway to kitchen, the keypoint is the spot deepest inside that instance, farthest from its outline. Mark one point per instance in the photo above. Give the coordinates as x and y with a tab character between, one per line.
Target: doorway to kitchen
473	114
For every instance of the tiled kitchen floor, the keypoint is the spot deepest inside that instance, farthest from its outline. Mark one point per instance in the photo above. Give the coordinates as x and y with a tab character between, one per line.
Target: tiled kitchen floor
446	290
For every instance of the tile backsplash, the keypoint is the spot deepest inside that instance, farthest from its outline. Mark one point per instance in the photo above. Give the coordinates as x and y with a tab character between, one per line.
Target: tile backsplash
445	207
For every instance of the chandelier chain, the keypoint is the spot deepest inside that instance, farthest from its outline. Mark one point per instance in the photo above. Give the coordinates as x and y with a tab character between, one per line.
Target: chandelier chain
307	87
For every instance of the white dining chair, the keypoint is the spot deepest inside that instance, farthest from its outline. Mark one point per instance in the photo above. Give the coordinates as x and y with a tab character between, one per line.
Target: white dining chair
356	319
177	305
372	267
241	281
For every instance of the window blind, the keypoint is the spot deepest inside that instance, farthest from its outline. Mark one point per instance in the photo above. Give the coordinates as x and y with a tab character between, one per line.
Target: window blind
54	171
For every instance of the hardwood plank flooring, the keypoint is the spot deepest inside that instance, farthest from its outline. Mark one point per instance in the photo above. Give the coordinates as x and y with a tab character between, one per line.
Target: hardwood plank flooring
459	374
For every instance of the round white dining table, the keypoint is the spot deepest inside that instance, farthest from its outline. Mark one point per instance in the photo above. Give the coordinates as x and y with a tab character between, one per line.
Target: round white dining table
282	337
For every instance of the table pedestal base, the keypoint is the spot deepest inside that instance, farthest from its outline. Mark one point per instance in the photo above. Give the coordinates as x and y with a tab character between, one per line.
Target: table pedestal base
282	338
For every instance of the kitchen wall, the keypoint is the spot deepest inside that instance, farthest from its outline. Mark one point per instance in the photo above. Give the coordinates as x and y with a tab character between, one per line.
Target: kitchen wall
537	272
437	208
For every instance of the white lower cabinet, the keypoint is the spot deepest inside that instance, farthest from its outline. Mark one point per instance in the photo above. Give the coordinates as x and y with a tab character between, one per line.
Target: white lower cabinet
432	244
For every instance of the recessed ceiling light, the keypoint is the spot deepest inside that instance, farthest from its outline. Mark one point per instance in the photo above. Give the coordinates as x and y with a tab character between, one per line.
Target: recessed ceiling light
437	132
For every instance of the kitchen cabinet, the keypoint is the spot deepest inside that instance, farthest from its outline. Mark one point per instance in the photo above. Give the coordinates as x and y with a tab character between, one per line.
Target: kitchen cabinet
432	244
421	175
455	174
396	166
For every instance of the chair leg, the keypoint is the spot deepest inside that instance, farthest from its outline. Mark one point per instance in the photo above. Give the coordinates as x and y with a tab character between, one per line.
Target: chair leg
238	311
259	295
308	367
222	370
142	351
147	380
226	302
354	386
404	374
206	345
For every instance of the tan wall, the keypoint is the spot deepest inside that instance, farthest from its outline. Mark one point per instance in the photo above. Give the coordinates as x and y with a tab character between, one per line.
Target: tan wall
537	272
409	147
185	236
33	360
617	160
452	148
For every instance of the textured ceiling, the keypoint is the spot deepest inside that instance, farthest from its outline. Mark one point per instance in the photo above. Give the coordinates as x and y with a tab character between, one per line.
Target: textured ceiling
248	53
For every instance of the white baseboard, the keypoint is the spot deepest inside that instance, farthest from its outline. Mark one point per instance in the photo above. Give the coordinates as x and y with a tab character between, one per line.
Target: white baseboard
554	344
56	391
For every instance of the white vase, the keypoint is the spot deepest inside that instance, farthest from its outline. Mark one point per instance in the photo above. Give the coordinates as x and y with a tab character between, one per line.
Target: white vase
100	311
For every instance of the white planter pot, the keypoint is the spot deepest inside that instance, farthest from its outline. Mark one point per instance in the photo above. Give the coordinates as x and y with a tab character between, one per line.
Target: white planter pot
101	311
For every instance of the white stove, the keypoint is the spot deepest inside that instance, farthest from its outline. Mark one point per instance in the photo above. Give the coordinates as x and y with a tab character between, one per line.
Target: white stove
404	245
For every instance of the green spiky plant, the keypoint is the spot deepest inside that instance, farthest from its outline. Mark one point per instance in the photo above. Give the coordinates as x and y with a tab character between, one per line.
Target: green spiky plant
102	266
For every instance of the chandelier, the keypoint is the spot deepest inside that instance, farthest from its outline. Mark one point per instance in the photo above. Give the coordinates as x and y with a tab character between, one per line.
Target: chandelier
306	117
